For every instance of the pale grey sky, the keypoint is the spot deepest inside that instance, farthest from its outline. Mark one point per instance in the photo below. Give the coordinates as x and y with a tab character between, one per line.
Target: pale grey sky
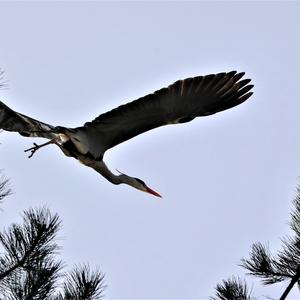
227	180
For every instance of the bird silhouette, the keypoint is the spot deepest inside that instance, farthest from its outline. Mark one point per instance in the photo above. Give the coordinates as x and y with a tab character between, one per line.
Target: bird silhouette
180	102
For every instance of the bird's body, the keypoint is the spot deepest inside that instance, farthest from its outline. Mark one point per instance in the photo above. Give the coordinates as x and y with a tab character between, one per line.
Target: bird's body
180	102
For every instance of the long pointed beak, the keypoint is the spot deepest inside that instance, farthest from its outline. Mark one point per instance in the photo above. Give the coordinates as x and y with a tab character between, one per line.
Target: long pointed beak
150	191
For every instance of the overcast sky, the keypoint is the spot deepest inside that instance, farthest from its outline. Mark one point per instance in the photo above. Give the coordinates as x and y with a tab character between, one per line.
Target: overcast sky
227	180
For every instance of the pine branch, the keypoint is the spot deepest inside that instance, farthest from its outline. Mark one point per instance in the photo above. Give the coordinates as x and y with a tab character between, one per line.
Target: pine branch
295	214
81	283
295	279
286	264
35	284
4	188
3	84
232	289
28	269
289	256
263	265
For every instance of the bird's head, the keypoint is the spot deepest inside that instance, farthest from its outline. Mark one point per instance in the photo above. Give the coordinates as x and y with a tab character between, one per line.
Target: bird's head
137	183
141	185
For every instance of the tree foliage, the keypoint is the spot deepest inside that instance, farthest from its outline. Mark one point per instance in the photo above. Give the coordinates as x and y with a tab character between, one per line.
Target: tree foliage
4	188
271	268
3	84
29	269
285	264
232	289
81	283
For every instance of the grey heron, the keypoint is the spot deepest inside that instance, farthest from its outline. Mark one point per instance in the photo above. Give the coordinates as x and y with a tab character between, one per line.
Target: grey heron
180	102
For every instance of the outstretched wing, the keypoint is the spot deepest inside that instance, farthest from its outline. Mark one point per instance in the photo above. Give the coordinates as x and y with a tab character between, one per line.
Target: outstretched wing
26	126
180	102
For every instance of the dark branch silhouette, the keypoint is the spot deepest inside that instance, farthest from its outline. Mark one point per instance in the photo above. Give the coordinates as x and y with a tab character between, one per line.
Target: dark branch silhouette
3	84
270	268
81	283
262	264
4	188
285	265
29	268
232	289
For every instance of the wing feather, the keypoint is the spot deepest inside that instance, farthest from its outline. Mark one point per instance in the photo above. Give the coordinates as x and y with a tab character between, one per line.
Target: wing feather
180	102
26	126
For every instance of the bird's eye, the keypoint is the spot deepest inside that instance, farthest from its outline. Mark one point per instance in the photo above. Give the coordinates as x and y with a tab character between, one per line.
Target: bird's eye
140	181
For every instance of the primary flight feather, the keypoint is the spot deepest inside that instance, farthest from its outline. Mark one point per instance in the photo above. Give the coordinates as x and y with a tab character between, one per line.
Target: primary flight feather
180	102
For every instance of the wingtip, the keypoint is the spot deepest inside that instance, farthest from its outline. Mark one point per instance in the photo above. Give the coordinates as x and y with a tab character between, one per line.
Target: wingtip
231	73
245	97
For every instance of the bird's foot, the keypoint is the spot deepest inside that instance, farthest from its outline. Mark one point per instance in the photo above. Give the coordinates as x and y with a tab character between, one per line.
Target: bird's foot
33	149
36	147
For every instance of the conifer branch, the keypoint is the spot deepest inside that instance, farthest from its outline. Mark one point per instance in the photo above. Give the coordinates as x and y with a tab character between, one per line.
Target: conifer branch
4	188
232	289
28	269
81	283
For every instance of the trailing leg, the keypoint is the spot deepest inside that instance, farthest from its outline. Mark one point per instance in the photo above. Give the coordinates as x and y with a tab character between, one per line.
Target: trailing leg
36	147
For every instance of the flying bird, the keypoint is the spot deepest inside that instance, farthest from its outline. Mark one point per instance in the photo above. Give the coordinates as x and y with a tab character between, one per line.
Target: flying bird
180	102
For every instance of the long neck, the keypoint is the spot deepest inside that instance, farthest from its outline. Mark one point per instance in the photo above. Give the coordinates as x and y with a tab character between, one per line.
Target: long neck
101	168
